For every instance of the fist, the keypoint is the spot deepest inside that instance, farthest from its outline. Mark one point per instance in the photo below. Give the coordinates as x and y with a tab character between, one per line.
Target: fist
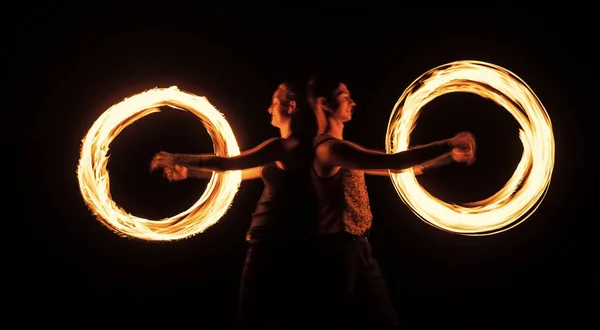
463	156
464	148
463	140
161	160
175	173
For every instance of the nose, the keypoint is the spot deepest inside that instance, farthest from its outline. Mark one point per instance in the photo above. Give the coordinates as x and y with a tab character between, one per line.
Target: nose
270	110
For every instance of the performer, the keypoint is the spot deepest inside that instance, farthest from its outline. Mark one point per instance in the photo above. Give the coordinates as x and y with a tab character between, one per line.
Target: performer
271	290
346	273
285	219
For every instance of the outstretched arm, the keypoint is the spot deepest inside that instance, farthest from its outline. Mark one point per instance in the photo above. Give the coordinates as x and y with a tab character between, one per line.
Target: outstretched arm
177	173
199	173
350	155
267	152
440	161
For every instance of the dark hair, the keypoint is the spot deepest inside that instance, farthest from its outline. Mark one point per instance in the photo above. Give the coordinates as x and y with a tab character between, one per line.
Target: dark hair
290	92
303	121
325	86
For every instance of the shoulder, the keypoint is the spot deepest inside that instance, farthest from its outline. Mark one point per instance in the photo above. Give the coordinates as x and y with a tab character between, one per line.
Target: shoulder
275	144
323	138
332	145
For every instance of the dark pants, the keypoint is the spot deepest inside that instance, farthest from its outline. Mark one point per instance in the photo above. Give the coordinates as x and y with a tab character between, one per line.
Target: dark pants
274	287
351	287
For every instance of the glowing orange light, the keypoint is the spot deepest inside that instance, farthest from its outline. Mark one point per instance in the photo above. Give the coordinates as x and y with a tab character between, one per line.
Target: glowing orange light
94	180
523	192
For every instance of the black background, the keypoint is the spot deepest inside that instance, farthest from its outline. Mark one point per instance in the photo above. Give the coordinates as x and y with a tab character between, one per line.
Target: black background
69	64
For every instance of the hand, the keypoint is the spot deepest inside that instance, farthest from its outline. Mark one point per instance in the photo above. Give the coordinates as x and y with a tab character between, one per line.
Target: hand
463	140
464	148
463	156
175	173
161	160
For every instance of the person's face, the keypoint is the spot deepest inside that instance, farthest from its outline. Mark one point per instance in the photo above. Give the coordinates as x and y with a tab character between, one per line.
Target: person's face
346	105
280	113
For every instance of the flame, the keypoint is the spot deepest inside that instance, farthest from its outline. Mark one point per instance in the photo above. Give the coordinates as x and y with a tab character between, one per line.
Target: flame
94	181
523	192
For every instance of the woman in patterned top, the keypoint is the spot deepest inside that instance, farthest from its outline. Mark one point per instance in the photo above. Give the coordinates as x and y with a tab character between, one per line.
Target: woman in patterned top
285	215
346	269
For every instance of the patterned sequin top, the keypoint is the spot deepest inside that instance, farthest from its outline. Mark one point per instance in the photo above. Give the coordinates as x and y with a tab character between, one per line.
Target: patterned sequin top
342	200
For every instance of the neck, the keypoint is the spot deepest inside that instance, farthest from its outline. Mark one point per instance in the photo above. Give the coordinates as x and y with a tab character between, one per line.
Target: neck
336	128
285	131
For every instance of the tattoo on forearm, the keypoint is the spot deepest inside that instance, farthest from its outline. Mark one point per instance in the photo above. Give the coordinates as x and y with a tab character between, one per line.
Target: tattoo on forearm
187	159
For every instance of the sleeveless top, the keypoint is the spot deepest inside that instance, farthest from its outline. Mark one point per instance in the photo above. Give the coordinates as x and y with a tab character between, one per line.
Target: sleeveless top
287	206
342	200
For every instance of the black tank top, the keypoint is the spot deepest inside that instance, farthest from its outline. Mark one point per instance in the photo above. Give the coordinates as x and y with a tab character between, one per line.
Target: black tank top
287	206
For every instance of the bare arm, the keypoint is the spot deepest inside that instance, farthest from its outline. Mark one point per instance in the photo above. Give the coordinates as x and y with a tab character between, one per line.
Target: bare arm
197	173
442	160
350	155
247	174
267	152
387	172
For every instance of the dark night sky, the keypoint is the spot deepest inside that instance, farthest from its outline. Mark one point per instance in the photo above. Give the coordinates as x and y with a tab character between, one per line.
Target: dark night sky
70	65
